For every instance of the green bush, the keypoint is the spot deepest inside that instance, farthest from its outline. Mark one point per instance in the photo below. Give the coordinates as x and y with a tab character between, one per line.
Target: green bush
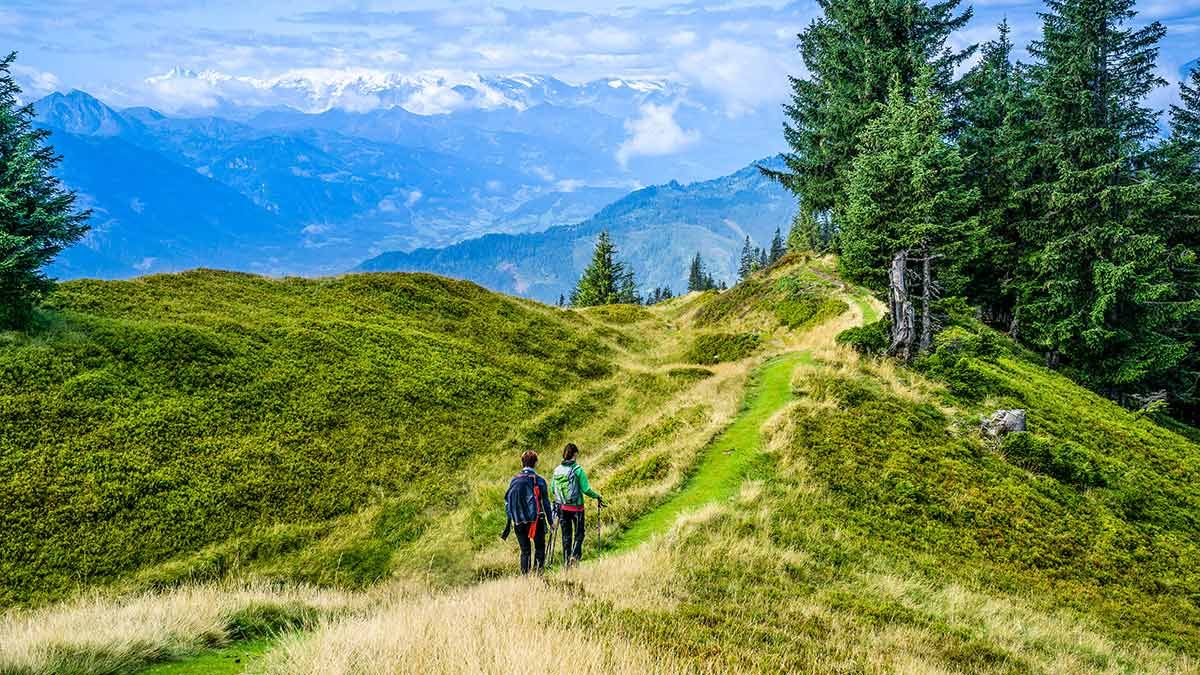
619	314
872	339
710	348
1065	461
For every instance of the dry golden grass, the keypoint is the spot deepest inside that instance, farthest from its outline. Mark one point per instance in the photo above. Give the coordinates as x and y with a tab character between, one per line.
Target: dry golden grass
102	634
503	626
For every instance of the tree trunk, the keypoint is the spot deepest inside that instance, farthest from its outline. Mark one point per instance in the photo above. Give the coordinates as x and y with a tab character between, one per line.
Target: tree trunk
926	298
903	314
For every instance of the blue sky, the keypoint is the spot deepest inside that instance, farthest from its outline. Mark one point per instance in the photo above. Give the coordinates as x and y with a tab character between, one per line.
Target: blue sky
737	50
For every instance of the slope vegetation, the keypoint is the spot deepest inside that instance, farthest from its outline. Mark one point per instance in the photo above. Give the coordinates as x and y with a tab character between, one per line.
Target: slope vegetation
151	418
791	506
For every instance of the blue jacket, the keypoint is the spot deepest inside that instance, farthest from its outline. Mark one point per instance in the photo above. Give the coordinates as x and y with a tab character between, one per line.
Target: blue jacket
519	501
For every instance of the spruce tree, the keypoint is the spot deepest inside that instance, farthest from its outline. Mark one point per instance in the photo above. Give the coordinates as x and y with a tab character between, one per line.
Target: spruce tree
907	192
38	218
1179	166
696	275
605	281
997	145
854	52
746	262
778	249
1097	290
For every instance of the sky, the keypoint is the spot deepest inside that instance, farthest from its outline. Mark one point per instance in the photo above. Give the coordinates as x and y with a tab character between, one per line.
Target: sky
738	50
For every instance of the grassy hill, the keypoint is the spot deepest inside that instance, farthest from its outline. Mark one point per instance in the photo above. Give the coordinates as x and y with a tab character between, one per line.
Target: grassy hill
151	418
779	501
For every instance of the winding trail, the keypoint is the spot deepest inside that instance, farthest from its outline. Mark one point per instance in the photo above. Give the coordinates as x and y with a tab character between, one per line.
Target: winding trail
723	466
726	461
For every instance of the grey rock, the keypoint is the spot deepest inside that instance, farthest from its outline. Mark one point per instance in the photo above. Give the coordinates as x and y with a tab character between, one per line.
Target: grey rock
1002	423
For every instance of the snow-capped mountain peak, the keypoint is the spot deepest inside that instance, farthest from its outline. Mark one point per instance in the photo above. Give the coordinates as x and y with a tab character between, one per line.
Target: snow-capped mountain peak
316	90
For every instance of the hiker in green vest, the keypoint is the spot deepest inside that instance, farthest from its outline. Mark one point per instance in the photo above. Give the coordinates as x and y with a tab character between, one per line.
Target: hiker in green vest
569	485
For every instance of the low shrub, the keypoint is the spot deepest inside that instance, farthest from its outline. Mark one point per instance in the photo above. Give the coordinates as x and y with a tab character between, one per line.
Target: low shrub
619	314
722	347
1065	461
872	339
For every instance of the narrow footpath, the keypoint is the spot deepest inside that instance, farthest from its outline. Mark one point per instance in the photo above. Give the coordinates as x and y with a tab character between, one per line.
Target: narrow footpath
725	463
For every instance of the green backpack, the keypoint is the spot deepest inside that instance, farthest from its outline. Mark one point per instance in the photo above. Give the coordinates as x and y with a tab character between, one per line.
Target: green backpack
564	485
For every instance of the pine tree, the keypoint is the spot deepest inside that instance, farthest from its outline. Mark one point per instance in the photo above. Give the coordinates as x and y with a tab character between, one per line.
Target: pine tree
853	53
698	277
1097	289
38	218
1179	165
997	144
605	281
778	249
907	192
661	294
746	262
763	259
908	200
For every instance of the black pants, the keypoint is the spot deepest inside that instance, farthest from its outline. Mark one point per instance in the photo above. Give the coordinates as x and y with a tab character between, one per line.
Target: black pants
535	548
572	535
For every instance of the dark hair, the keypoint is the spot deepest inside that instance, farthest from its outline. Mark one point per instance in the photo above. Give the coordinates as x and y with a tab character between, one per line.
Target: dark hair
529	459
570	451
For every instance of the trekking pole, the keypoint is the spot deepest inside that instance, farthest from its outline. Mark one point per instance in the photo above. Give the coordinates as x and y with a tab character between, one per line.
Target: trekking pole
550	541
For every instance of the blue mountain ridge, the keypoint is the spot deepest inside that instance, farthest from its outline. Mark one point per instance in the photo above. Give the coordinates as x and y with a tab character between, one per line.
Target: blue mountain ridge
656	230
317	199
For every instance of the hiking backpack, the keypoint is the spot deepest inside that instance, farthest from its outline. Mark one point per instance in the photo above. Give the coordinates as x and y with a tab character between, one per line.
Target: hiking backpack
564	485
534	494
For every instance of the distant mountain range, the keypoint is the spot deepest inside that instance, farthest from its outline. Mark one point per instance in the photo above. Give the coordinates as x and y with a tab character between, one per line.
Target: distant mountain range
317	188
657	230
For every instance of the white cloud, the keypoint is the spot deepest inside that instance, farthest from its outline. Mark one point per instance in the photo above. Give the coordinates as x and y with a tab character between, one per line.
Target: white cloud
613	39
655	133
413	197
683	38
34	81
744	76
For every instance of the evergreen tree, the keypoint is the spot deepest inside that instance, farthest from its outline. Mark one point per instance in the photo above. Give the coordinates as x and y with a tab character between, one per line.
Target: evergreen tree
1180	168
777	247
661	294
997	145
605	281
907	192
698	278
746	262
854	52
696	275
763	259
38	218
1097	289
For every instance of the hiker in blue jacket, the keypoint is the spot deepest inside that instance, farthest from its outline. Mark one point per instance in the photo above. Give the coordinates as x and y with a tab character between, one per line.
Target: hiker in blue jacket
527	503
